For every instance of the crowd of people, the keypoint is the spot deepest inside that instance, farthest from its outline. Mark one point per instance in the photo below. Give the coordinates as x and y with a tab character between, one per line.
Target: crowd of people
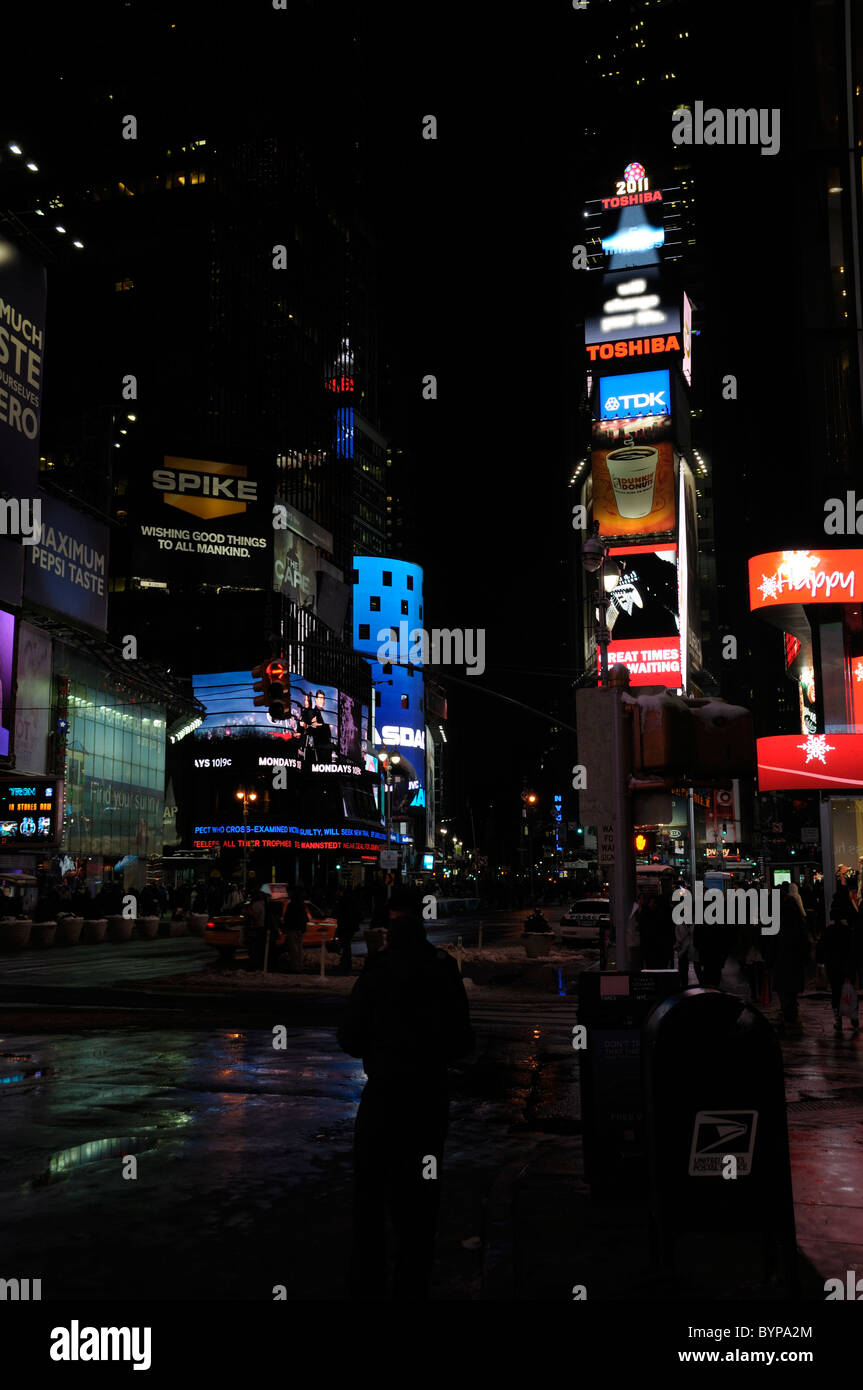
773	964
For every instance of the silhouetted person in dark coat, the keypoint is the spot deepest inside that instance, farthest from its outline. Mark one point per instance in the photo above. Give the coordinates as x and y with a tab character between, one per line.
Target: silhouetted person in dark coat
407	1017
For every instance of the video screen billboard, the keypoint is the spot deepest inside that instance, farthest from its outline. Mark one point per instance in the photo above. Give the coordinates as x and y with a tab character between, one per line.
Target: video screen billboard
323	732
634	394
295	558
7	691
643	615
68	569
23	289
804	576
632	305
30	810
687	339
201	521
633	487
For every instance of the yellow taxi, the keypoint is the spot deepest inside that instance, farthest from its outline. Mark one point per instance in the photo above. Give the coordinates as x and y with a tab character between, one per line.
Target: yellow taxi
226	934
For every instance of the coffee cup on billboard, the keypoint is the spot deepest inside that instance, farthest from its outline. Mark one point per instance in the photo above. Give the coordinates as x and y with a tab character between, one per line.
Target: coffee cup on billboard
632	471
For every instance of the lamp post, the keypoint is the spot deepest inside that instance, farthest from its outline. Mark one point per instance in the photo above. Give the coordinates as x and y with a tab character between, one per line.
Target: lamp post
246	797
390	761
594	558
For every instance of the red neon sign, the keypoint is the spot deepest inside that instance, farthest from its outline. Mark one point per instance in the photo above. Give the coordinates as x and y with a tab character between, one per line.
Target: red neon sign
814	761
805	576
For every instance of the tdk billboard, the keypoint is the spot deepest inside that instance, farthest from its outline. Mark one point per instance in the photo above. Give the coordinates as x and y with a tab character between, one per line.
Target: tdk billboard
639	393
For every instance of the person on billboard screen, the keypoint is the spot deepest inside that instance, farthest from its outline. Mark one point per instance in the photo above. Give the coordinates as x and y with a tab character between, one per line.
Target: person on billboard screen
321	731
644	603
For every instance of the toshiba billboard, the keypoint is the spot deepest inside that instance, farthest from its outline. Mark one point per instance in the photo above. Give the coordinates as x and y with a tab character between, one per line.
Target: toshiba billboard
204	520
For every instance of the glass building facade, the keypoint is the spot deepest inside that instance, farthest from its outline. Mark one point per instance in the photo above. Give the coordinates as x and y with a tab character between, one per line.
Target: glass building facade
115	768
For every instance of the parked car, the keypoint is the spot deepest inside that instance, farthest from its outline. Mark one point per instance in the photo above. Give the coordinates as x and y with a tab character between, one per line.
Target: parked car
227	933
584	920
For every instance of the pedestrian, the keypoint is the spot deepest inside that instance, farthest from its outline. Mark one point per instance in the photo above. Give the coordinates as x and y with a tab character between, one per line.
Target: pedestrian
787	953
347	924
256	929
408	1018
295	922
684	942
633	933
657	934
839	946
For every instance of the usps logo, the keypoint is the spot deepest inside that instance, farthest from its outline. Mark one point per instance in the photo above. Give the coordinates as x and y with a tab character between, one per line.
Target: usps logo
718	1134
637	393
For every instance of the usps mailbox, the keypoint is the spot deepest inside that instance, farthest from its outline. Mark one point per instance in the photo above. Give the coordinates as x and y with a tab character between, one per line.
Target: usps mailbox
716	1126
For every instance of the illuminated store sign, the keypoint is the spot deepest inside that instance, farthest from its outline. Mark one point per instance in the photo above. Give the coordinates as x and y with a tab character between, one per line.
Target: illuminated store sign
637	393
28	812
802	576
274	836
814	761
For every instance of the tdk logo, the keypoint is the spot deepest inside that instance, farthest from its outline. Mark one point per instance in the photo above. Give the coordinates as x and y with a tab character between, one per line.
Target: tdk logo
205	489
638	393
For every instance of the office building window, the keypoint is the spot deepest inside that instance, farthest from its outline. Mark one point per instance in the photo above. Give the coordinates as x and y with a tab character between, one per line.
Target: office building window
374	603
406	702
410	580
387	578
365	632
405	607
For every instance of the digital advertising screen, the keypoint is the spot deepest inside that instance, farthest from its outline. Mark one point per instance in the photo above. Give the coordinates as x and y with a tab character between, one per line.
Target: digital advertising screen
200	520
633	487
30	811
7	694
687	339
634	394
643	615
804	576
23	291
295	556
322	732
632	305
68	569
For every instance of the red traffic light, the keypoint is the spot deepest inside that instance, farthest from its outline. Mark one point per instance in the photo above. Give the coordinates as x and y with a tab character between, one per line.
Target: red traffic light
277	670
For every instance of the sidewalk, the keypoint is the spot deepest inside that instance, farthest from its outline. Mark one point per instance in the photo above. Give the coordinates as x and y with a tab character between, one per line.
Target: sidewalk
546	1233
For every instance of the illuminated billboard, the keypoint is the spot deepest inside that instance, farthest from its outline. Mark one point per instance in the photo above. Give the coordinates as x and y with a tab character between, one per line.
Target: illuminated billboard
643	615
201	519
632	306
634	394
633	487
68	570
30	811
820	762
22	351
687	340
687	572
322	733
295	556
7	689
804	576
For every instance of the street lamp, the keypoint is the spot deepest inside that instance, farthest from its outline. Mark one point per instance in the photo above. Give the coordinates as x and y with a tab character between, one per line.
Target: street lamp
246	797
389	761
594	558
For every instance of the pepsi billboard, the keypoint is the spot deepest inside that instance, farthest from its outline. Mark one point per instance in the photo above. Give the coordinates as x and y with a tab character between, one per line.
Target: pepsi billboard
635	393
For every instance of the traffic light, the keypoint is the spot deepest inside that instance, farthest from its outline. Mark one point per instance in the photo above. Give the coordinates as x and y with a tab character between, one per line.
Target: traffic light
278	690
272	683
530	799
645	842
259	674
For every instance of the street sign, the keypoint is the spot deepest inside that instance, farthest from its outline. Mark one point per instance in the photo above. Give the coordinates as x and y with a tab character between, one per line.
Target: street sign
605	835
389	859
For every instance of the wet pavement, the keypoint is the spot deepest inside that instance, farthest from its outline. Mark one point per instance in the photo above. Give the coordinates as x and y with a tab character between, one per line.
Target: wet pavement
243	1157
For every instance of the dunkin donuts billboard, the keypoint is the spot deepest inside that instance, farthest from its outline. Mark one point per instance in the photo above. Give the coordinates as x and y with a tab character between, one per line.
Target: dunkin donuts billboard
633	487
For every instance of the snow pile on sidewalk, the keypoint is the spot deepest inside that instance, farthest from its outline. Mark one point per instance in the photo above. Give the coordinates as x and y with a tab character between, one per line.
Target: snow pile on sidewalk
516	955
222	981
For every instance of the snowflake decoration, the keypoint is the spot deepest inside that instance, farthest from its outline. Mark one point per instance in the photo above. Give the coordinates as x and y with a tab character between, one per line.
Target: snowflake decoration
816	747
858	671
798	566
769	586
